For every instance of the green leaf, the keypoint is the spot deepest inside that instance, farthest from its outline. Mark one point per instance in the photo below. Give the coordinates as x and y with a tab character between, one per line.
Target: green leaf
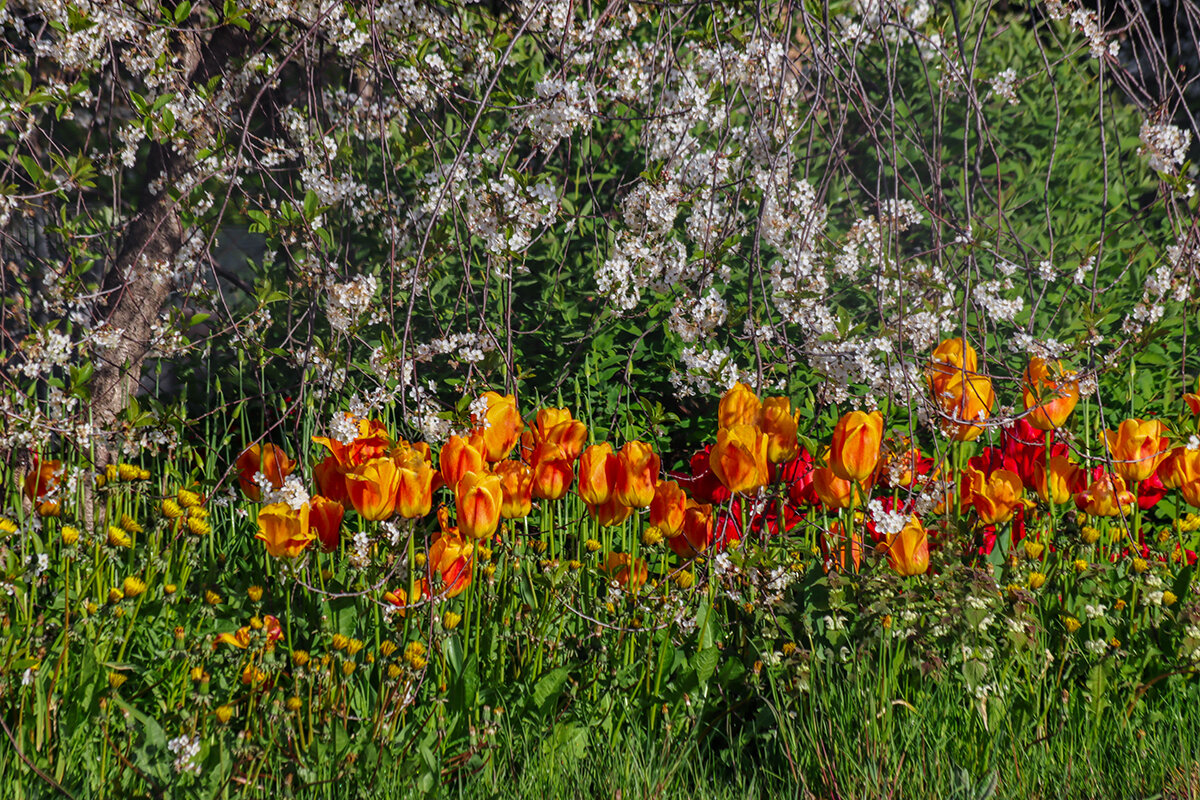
548	688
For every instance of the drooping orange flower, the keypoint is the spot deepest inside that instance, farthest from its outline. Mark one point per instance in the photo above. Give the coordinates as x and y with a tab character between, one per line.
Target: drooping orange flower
626	570
1106	497
908	551
1060	481
1136	446
371	441
739	458
325	517
478	499
739	406
779	422
516	484
857	437
241	639
599	469
637	474
1050	394
331	480
268	459
458	458
668	508
503	426
835	493
373	488
995	496
285	531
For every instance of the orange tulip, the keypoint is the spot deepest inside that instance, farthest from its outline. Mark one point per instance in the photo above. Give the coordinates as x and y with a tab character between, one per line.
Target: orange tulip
43	479
908	551
450	558
1193	403
696	534
1137	446
268	459
371	441
839	550
778	422
504	426
399	598
552	476
739	406
516	484
557	426
965	399
668	508
611	512
856	440
996	496
626	570
901	462
1106	497
1180	467
951	356
834	492
458	458
599	469
284	530
637	474
739	458
330	476
414	491
1059	482
373	488
1050	395
478	500
325	517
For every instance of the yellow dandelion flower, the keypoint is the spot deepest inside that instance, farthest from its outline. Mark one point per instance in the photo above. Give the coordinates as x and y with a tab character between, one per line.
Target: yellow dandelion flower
118	537
128	472
1080	565
1169	598
224	714
170	588
394	671
299	657
1089	534
187	499
353	646
143	475
171	509
1033	550
116	679
1120	605
129	524
483	552
198	512
339	642
450	620
1114	642
592	545
212	598
788	648
651	536
684	580
574	563
1140	565
110	473
198	527
7	525
133	586
294	703
1036	580
255	593
115	595
419	560
348	667
69	535
256	623
1072	624
387	648
414	654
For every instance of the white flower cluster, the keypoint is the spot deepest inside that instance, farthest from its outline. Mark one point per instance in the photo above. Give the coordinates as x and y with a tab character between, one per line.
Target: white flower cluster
563	106
186	751
704	371
345	303
887	523
1089	24
1166	145
1004	86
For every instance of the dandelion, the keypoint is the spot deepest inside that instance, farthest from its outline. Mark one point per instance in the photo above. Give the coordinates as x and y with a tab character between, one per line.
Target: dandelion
116	680
212	598
170	588
171	509
387	648
224	714
339	642
7	526
414	654
133	586
592	545
1140	565
684	580
129	524
348	667
294	703
1089	534
450	620
353	646
118	537
394	671
198	527
69	535
1169	598
1080	565
115	595
255	593
128	472
1072	624
299	657
188	499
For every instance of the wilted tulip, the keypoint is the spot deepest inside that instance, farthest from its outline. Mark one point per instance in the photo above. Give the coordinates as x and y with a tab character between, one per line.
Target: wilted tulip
1105	497
267	459
854	453
325	517
478	500
739	406
995	496
599	469
1050	395
284	530
457	458
1137	446
778	422
373	488
637	474
908	551
516	484
739	458
668	508
504	426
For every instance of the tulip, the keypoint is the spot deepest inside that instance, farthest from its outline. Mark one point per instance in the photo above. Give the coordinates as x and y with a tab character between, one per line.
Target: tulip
908	551
504	426
854	453
1106	497
478	499
330	476
610	513
951	356
371	441
599	468
739	458
516	484
995	496
965	399
1050	397
637	475
668	508
1137	447
42	479
450	558
267	459
557	426
373	488
414	491
626	570
1059	482
1180	467
1193	403
325	517
458	458
552	476
285	531
834	492
697	531
779	423
739	406
836	546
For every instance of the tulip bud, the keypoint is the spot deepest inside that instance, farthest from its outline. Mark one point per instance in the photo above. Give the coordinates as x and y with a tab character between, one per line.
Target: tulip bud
854	453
